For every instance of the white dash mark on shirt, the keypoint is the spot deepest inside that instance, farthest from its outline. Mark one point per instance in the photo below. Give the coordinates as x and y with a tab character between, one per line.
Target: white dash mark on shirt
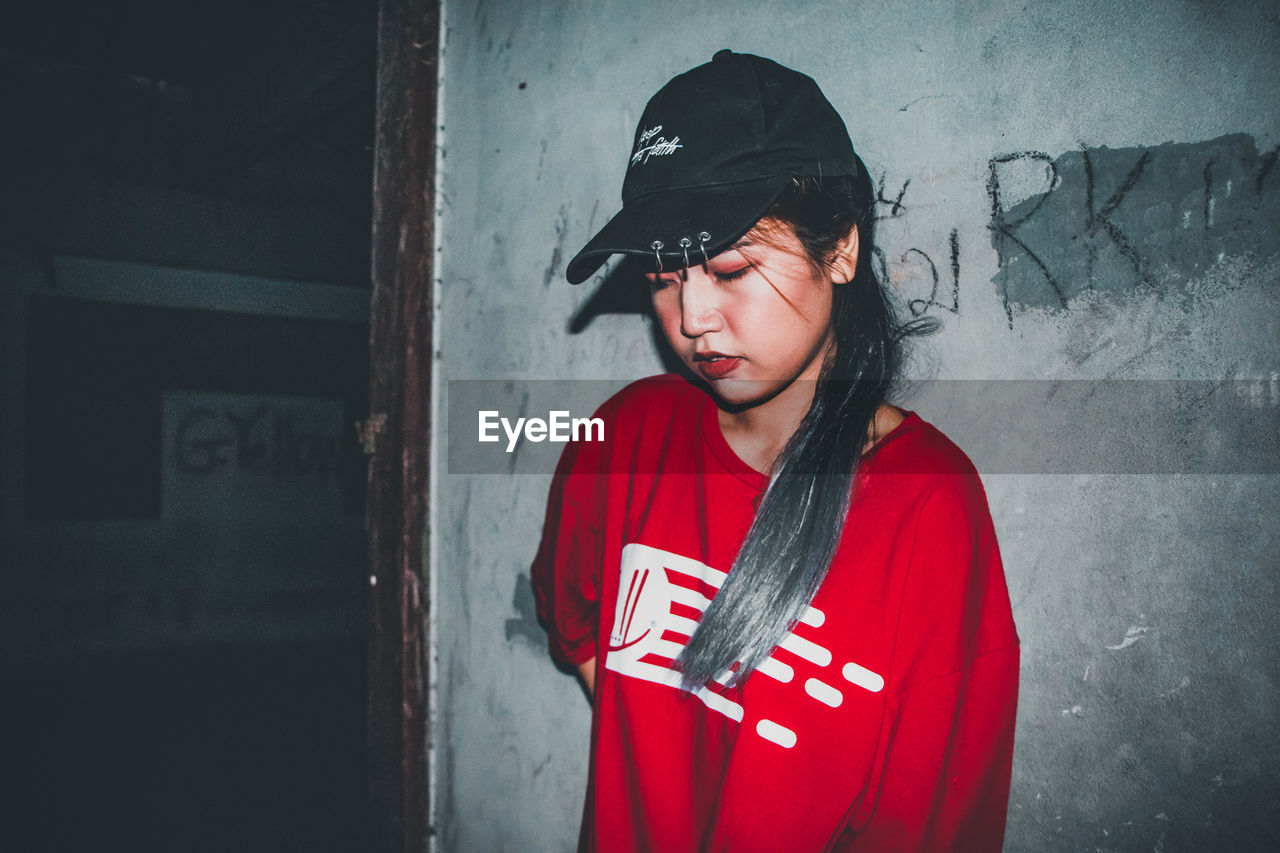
812	652
776	670
716	702
823	692
781	735
813	617
863	677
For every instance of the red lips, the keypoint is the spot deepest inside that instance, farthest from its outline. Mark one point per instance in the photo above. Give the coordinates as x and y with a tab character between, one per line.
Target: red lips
716	365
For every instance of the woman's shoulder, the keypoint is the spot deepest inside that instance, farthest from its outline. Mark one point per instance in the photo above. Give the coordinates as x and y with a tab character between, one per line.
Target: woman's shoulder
916	446
917	463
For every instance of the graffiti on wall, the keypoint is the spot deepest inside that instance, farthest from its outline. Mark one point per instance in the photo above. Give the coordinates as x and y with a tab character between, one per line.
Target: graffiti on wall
1107	219
256	439
1123	219
917	264
251	458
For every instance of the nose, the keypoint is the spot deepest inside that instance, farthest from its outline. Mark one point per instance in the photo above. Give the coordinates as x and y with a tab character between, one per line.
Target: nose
699	304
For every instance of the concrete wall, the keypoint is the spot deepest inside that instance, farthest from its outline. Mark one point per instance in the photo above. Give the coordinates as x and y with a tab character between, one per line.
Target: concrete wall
1093	185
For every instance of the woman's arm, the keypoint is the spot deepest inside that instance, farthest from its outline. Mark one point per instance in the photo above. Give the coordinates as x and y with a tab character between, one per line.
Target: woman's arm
587	671
948	744
945	783
566	571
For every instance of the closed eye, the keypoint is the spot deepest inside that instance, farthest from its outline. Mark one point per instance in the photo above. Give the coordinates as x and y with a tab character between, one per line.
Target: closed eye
732	275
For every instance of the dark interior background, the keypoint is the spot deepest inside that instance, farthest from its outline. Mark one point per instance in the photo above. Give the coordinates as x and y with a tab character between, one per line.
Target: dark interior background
191	678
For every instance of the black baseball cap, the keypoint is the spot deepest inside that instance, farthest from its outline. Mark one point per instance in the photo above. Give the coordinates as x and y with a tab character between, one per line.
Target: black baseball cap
714	150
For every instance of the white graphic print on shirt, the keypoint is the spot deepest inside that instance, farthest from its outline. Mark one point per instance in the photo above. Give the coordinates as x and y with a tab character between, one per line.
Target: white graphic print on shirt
662	596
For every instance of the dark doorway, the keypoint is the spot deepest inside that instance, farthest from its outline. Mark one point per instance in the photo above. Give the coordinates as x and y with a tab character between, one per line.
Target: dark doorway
185	207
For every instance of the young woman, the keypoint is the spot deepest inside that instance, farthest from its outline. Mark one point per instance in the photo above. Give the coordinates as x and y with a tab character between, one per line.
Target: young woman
784	594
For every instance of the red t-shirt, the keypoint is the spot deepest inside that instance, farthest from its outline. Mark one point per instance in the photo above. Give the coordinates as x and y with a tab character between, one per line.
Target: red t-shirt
883	722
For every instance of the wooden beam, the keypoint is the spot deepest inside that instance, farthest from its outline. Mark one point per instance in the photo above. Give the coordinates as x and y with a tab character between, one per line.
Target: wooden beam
400	401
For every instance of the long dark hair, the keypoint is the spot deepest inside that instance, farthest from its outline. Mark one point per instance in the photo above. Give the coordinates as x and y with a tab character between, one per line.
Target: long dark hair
801	518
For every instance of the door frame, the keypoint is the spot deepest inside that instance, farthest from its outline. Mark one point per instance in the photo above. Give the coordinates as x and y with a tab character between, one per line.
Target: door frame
397	435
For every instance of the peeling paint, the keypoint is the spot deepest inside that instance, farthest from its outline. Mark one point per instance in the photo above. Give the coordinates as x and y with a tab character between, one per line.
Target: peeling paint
1133	635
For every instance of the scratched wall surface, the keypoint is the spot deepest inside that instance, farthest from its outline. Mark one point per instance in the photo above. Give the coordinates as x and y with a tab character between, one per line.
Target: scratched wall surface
1079	191
1122	219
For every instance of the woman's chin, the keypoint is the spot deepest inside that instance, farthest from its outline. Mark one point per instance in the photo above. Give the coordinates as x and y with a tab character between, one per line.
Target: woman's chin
743	393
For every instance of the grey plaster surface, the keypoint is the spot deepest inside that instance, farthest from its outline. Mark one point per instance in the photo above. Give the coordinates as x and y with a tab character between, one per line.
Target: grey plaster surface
1145	602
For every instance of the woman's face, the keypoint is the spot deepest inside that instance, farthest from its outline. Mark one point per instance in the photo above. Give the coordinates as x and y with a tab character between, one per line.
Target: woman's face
752	321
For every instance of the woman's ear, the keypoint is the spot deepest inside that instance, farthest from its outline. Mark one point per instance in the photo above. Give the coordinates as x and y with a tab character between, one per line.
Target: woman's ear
845	261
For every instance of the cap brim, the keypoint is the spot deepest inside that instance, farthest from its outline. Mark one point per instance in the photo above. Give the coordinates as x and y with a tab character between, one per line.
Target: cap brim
725	212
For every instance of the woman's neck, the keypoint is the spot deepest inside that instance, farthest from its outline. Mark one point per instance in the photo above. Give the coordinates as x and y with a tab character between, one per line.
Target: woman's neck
758	435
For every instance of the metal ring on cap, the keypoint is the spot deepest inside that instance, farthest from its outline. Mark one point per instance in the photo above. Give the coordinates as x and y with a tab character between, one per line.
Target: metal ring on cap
703	237
656	245
685	243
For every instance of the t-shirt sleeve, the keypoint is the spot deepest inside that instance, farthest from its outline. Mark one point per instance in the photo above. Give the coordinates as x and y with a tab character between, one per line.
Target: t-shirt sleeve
948	753
566	573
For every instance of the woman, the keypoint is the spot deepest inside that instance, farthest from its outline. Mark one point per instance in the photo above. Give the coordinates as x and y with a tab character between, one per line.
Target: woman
784	594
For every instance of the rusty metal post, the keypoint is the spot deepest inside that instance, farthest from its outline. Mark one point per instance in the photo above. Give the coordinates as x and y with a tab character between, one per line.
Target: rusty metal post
400	407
